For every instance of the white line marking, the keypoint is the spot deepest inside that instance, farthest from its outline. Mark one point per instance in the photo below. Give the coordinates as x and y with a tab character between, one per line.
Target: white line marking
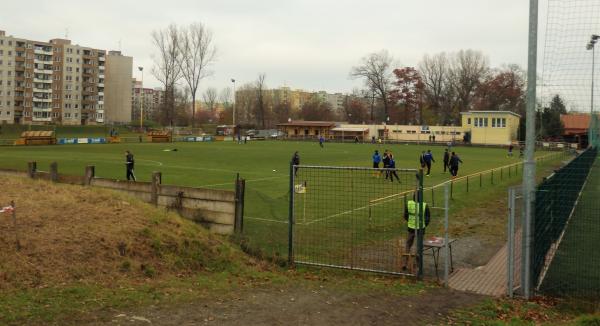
252	180
265	219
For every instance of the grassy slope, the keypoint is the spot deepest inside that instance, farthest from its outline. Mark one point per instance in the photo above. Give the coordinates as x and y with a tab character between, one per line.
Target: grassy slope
69	262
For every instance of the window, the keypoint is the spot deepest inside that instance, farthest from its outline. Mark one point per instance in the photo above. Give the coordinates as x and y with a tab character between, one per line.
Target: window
494	123
485	122
468	121
476	122
503	120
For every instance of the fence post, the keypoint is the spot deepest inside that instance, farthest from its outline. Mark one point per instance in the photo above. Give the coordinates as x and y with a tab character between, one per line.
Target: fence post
467	183
446	239
156	181
90	173
54	172
511	242
480	180
14	218
432	197
31	169
451	188
240	187
420	228
291	218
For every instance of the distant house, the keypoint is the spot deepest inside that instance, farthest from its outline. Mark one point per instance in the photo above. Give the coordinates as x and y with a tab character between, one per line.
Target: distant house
306	129
491	127
576	128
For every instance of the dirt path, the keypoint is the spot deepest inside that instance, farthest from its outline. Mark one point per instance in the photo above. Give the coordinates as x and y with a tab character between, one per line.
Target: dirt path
299	306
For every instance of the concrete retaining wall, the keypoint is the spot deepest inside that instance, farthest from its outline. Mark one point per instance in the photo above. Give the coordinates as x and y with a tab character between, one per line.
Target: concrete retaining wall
215	209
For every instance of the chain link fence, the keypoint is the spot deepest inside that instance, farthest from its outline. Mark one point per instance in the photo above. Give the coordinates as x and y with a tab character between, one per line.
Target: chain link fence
353	218
567	229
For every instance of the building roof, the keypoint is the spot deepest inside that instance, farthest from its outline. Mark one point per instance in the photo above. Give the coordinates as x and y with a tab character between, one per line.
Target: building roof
501	112
350	129
300	123
576	123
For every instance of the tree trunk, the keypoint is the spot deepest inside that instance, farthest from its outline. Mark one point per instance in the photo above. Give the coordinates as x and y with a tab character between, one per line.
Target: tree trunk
193	110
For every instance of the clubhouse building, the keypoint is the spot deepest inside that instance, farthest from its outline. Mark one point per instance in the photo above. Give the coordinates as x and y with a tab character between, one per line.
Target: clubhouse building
477	127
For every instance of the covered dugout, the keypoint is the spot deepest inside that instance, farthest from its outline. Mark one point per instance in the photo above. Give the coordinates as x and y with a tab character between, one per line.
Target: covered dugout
158	136
350	133
36	138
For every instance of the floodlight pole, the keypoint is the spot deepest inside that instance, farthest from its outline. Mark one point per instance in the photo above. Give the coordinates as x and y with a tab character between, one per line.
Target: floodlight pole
233	113
592	46
142	95
529	164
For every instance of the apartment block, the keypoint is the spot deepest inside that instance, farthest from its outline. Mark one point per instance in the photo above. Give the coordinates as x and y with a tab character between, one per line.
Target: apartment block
54	82
150	99
118	88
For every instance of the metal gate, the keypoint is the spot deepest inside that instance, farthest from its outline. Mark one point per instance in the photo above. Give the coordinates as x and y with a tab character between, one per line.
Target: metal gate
353	218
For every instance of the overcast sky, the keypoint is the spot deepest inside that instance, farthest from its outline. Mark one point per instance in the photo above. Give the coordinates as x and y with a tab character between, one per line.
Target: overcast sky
305	44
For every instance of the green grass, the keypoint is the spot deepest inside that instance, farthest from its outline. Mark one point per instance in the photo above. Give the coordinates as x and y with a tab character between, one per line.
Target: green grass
265	166
538	311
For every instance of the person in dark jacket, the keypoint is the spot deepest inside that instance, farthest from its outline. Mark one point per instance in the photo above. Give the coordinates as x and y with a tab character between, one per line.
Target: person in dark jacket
446	159
386	163
422	159
392	166
454	162
129	165
428	158
296	161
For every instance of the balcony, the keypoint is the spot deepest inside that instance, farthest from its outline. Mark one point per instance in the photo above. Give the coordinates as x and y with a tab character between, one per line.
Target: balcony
42	100
42	90
46	81
42	51
48	119
43	60
43	71
100	84
102	58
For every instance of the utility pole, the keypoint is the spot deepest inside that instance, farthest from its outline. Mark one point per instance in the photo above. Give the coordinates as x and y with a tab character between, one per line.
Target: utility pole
529	164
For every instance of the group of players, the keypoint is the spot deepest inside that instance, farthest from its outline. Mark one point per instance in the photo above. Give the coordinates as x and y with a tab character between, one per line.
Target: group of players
451	163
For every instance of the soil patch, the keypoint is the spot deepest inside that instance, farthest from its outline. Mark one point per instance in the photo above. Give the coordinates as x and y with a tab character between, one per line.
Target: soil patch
299	306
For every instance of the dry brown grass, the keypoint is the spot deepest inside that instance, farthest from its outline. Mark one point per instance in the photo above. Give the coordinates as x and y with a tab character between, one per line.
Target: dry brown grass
72	233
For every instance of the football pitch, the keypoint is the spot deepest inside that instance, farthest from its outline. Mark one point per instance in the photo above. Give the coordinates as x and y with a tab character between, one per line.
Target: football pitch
265	166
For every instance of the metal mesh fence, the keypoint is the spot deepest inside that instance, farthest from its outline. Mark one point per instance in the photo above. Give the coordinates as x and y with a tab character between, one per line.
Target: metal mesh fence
353	218
566	229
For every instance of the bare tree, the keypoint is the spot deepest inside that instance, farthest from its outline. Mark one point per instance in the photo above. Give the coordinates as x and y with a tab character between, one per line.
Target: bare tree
438	90
468	69
260	99
197	54
166	66
210	99
225	96
375	68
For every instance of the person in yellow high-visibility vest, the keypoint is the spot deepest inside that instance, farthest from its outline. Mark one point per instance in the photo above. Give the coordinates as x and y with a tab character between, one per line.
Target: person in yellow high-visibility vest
410	215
